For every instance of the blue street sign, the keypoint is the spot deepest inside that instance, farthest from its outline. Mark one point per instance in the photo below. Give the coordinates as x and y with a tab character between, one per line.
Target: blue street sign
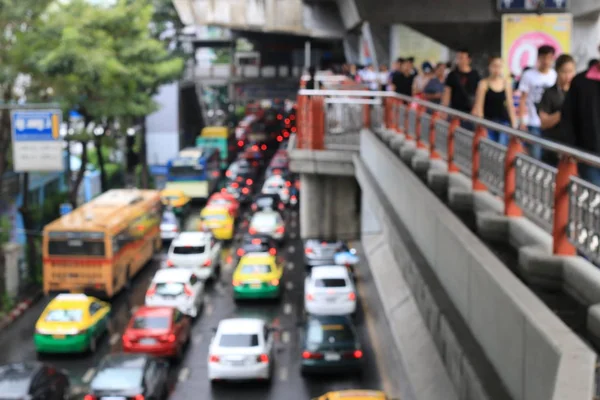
65	208
532	5
36	126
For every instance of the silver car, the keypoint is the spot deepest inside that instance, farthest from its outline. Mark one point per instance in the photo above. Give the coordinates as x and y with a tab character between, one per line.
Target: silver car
169	226
321	252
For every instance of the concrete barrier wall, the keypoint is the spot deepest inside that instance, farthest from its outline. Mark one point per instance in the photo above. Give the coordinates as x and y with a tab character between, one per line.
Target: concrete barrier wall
536	356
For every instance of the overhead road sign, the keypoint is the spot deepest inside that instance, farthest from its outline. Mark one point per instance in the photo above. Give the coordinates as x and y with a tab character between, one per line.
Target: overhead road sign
520	6
37	144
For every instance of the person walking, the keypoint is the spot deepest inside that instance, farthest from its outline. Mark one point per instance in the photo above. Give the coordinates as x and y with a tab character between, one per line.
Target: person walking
580	118
402	79
434	89
422	79
461	85
551	104
532	86
383	77
494	100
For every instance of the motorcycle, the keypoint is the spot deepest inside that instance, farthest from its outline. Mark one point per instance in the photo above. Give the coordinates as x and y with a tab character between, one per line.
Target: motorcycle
347	258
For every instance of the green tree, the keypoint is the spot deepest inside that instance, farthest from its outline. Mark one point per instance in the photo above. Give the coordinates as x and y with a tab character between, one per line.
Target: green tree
104	62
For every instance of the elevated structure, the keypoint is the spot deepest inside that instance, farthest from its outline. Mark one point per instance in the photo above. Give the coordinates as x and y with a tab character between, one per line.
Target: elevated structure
477	329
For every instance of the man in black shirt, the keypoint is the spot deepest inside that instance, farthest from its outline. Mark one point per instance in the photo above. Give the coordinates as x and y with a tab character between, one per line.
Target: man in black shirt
402	79
461	84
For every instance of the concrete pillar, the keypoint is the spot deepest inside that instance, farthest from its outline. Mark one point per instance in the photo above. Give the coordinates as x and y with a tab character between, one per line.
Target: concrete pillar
585	39
330	208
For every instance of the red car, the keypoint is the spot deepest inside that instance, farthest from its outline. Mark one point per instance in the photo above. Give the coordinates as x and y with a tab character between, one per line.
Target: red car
227	200
160	331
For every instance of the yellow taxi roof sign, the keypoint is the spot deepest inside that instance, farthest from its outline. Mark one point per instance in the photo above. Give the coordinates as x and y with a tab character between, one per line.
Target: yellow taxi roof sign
357	394
221	132
216	209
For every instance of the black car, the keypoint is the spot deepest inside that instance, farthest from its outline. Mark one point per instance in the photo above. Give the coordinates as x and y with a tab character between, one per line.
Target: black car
258	243
33	380
135	376
267	201
330	344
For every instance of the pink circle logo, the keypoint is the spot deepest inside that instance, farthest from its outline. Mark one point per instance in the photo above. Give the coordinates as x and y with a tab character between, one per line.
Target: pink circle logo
523	51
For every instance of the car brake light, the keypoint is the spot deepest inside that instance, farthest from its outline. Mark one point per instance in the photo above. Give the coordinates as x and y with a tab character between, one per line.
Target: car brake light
252	231
358	354
245	190
249	181
286	134
228	173
255	241
279	138
263	147
275	282
308	250
240	143
272	251
254	148
188	292
170	338
293	197
352	296
240	252
279	116
138	397
310	297
151	291
281	206
90	397
207	263
285	191
214	359
308	355
288	183
263	358
236	283
293	129
281	229
170	263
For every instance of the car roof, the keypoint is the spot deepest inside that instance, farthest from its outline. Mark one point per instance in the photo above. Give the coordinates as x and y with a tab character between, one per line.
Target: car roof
275	178
241	325
317	242
191	238
265	213
257	258
124	360
166	275
356	394
148	311
70	299
329	271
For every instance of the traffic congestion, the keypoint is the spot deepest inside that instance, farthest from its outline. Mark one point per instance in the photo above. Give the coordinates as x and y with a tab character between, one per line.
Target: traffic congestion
201	290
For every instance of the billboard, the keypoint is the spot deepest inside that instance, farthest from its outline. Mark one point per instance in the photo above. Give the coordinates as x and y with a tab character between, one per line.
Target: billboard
523	34
407	42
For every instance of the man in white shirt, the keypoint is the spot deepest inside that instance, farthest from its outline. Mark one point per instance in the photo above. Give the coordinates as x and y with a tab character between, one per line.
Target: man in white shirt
532	86
370	78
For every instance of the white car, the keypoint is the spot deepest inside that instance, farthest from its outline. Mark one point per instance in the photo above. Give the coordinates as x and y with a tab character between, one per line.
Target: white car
277	185
267	222
241	349
198	251
329	290
178	288
169	226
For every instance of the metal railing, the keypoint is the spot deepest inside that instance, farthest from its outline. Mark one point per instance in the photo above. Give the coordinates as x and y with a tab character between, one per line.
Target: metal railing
553	197
227	71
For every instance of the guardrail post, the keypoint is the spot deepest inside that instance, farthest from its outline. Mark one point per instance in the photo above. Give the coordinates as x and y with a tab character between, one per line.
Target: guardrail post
317	111
567	167
397	127
452	167
420	111
387	112
406	123
302	121
367	116
511	209
480	132
433	154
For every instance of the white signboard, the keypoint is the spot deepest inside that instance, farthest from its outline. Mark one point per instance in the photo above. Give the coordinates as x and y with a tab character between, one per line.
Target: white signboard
37	145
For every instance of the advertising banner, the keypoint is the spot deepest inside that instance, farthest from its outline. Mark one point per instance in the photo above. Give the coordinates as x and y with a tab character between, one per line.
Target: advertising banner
407	42
523	34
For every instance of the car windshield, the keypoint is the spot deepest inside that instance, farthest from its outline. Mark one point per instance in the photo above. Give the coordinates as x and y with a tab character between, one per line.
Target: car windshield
214	217
187	250
330	282
169	218
221	202
238	340
255	269
171	197
151	322
264	220
117	379
265	202
68	315
321	332
169	289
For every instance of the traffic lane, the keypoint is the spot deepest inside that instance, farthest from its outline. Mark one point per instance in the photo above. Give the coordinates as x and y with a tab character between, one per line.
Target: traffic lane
285	314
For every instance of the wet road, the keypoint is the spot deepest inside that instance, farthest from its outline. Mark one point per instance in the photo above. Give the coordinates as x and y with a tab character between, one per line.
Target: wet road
189	378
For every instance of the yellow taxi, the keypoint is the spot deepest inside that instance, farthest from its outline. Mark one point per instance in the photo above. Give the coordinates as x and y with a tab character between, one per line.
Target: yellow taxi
219	220
176	199
354	395
71	323
258	276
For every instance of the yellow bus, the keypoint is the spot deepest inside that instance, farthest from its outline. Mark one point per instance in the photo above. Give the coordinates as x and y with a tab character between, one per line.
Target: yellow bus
98	247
